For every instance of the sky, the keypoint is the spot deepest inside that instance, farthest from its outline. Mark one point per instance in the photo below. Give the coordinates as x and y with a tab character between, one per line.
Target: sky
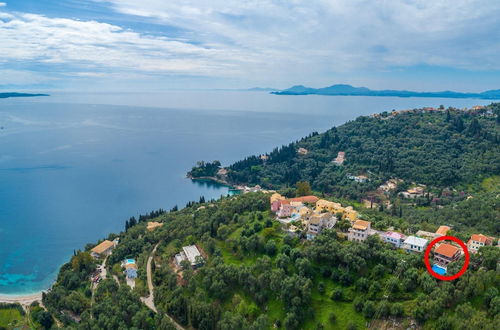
121	45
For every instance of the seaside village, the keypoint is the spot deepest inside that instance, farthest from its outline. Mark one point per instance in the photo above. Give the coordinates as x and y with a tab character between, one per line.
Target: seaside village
311	215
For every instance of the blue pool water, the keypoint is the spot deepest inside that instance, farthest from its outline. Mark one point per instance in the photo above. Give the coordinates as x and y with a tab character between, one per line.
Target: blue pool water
439	270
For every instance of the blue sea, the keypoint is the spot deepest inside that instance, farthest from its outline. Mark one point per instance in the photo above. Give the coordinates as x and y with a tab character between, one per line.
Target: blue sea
75	166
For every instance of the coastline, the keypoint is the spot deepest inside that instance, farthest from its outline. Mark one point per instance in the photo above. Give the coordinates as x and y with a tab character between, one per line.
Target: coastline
211	178
20	298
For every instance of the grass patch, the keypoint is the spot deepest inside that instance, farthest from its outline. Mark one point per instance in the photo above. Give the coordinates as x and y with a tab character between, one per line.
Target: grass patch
10	318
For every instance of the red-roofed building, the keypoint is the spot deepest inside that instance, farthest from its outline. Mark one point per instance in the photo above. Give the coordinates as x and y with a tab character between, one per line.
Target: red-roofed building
478	240
446	253
306	199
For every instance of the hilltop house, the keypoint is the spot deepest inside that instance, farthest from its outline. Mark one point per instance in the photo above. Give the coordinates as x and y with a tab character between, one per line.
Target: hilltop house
478	240
339	160
190	253
306	199
413	192
302	151
442	230
414	244
427	234
394	238
285	209
359	231
318	222
130	268
358	179
446	253
104	248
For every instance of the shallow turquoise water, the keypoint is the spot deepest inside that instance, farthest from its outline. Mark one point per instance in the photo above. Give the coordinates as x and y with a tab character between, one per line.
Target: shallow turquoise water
72	173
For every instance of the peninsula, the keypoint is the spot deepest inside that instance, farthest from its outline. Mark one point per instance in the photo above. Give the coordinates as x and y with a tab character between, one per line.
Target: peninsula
7	95
348	90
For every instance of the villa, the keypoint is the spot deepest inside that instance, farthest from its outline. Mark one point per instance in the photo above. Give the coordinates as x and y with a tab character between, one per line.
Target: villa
446	253
306	199
427	234
130	268
358	179
285	209
413	192
359	231
414	244
318	222
340	158
152	225
394	238
302	151
442	230
190	253
478	240
104	248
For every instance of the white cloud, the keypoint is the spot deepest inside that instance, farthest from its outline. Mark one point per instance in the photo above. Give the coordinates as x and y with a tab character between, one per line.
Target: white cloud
343	34
261	39
3	4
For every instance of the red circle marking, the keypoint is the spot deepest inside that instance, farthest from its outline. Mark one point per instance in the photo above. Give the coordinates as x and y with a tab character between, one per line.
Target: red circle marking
428	264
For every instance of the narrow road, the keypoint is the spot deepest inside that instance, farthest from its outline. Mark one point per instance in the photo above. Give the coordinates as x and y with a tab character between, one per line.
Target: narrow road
149	301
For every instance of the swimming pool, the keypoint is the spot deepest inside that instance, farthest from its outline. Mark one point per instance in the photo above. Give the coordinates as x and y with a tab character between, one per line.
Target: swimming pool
438	269
130	261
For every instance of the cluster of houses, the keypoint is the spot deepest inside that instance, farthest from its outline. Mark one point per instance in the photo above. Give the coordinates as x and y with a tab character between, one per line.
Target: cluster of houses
316	214
312	213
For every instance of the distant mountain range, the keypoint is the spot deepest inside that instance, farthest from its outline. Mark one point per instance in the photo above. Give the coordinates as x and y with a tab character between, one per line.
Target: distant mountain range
6	95
342	89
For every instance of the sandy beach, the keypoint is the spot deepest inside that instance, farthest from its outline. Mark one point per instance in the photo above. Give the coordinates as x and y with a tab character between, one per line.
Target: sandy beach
22	299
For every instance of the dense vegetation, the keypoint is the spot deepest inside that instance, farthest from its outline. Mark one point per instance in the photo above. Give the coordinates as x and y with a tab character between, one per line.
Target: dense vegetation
256	276
449	148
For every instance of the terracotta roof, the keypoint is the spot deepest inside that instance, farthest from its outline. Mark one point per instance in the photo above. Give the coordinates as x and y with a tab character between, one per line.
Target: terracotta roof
306	199
102	247
446	250
133	266
285	201
479	238
361	224
442	230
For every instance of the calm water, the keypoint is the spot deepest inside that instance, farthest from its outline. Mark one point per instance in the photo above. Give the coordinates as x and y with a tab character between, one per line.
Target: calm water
71	171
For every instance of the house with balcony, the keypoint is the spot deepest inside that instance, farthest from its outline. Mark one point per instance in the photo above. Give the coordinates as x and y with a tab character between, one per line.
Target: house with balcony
394	238
477	241
446	253
318	222
359	231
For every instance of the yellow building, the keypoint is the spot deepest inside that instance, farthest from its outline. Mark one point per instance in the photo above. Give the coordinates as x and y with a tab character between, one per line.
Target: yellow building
334	208
276	197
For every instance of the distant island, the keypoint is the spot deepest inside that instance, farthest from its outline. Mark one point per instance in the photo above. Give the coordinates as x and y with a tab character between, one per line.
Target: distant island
348	90
7	95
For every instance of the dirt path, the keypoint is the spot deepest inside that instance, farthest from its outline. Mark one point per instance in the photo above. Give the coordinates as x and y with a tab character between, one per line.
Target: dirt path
149	301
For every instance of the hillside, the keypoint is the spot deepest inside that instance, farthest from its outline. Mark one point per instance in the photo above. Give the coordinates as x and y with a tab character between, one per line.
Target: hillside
450	148
256	276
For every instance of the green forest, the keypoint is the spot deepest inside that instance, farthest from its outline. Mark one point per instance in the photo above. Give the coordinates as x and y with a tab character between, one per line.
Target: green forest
448	148
258	277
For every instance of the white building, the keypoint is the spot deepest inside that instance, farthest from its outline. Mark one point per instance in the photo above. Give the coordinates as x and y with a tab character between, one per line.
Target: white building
414	244
190	253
